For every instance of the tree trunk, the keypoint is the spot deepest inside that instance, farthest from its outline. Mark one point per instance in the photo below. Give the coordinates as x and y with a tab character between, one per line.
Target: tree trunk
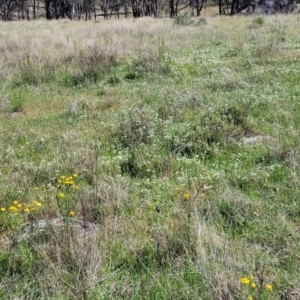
172	8
33	8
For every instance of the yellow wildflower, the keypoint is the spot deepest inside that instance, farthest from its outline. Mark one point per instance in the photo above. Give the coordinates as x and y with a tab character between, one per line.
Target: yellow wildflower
250	298
187	195
12	208
177	188
251	277
61	195
75	175
69	182
253	284
71	214
36	188
27	210
19	205
202	195
15	202
3	209
37	203
269	287
245	280
62	177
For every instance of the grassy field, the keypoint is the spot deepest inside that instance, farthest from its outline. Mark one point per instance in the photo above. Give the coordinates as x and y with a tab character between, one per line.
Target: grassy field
141	159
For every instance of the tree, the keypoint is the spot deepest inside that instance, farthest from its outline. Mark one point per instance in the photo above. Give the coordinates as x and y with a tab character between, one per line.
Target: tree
263	6
14	8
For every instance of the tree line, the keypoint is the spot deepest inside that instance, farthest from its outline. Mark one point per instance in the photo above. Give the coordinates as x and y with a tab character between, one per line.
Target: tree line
88	9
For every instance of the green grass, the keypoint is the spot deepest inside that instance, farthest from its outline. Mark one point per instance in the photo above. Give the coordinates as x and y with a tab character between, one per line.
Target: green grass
156	119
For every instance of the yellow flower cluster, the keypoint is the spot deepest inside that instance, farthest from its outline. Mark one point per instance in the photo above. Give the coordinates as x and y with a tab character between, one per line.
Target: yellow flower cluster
17	207
67	181
250	281
66	186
